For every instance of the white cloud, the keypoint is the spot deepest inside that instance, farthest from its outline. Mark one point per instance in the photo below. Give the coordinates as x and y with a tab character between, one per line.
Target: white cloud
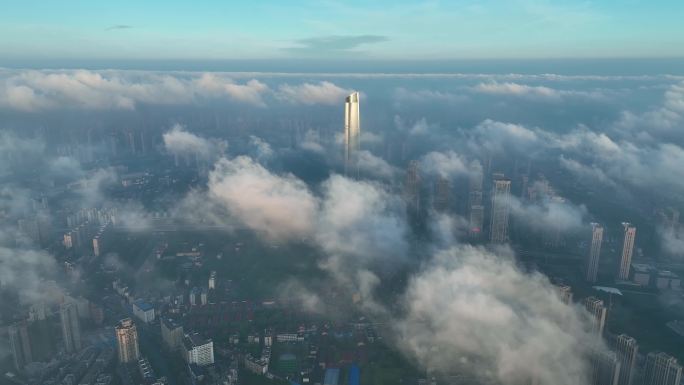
475	312
278	206
178	141
536	92
118	90
495	137
509	88
404	95
217	85
369	164
360	219
262	150
323	92
445	164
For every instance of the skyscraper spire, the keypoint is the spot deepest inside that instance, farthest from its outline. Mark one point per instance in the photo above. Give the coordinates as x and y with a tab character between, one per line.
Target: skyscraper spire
352	130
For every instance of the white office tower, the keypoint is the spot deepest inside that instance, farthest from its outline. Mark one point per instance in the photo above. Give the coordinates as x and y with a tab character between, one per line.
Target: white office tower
662	369
626	349
498	225
598	310
594	252
627	249
212	280
71	328
127	341
198	350
352	131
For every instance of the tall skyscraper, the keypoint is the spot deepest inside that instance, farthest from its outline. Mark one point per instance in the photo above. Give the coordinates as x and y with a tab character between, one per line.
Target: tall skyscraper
498	225
662	369
626	349
127	341
212	280
20	345
412	186
604	368
475	207
565	292
71	328
598	310
442	194
627	249
172	334
352	130
594	252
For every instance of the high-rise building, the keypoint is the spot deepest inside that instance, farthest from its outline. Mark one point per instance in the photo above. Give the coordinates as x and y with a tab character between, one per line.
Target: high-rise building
20	345
412	186
598	310
127	341
172	334
604	368
565	292
627	249
352	130
212	280
662	369
442	194
198	350
71	328
594	252
475	207
626	349
498	225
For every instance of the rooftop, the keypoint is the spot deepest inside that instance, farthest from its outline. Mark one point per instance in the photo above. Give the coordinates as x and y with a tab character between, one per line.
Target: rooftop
195	340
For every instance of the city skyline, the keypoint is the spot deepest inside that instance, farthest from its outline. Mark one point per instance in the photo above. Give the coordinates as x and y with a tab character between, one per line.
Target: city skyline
188	195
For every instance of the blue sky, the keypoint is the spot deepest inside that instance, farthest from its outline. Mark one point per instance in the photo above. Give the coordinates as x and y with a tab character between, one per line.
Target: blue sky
459	29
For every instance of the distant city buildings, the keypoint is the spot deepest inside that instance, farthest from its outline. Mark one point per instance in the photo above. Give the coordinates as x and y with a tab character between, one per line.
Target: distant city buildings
627	250
71	329
352	131
662	369
127	341
598	311
647	275
498	225
442	194
594	252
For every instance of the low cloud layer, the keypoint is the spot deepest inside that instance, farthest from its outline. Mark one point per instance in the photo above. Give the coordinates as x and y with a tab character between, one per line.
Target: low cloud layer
178	141
35	91
475	312
278	206
313	93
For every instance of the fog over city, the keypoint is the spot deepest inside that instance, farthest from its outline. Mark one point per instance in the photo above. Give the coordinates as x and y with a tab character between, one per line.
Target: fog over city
260	156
